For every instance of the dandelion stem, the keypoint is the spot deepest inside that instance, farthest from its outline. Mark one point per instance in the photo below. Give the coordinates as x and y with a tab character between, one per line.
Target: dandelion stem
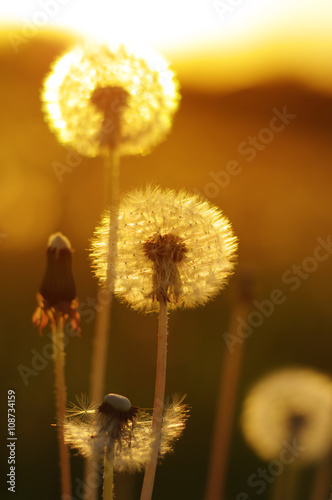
157	417
322	479
286	484
108	478
226	401
104	303
61	401
105	295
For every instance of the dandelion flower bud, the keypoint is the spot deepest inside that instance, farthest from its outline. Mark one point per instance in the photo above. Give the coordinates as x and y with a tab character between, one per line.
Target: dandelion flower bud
123	431
97	98
171	247
57	295
291	409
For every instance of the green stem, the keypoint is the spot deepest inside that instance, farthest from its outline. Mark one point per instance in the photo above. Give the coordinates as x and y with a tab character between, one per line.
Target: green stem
104	303
61	403
158	407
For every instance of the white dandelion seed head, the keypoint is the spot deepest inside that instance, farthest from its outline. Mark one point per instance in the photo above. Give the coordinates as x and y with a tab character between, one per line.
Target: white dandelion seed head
290	406
145	89
132	451
200	237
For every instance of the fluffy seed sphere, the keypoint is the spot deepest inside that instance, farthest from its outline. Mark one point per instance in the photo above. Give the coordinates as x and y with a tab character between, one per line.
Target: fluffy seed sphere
99	97
290	409
171	247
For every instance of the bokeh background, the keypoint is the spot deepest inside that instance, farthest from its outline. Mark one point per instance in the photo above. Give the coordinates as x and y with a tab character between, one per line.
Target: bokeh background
234	71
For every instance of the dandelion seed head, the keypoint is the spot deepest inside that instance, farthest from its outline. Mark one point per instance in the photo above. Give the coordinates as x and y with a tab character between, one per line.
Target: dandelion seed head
171	246
99	96
130	448
293	406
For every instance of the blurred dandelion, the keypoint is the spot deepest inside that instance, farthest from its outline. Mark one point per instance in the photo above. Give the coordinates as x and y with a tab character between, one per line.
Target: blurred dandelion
103	97
56	303
121	434
290	404
290	411
172	250
171	247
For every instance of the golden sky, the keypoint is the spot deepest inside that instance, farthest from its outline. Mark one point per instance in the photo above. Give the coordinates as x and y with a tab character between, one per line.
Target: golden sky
255	39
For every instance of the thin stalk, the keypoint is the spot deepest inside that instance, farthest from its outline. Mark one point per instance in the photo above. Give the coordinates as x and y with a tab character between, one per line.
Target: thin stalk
322	480
226	401
285	486
157	417
103	307
105	295
61	402
108	478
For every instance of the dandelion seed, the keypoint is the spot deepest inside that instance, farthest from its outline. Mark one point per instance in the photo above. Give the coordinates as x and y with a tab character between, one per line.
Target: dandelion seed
100	97
171	247
81	410
290	406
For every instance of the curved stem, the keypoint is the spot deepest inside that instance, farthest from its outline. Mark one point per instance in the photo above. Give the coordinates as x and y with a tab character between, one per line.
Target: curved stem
104	303
157	418
61	402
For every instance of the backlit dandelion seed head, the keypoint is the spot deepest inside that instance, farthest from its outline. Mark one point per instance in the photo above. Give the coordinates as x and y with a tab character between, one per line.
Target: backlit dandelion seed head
100	95
171	246
128	441
291	406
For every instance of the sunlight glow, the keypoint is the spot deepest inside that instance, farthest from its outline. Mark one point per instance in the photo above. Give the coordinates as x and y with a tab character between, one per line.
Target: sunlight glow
255	39
172	22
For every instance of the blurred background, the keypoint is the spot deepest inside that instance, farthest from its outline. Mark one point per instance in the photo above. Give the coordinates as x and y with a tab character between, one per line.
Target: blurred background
240	64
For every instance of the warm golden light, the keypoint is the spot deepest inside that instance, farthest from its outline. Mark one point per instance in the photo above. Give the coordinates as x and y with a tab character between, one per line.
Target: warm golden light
150	98
215	44
174	22
26	223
